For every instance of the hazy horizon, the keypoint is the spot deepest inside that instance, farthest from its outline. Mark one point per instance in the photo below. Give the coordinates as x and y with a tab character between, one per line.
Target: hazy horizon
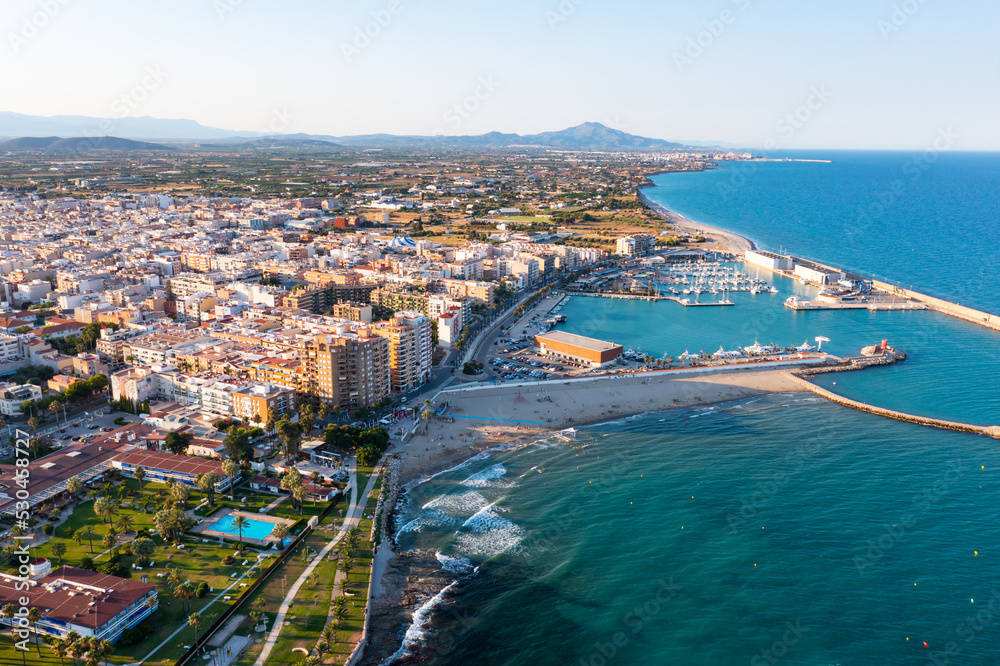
858	75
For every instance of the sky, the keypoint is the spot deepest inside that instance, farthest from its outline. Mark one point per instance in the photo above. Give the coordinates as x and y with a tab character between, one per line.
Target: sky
848	74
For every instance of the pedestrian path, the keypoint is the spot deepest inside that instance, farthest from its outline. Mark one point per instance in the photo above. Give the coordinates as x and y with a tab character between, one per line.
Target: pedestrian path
352	517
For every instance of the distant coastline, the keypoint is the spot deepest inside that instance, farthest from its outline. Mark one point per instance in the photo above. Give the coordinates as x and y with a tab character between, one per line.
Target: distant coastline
735	242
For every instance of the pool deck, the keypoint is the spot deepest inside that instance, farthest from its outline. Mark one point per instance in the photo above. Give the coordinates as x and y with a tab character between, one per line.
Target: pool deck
204	528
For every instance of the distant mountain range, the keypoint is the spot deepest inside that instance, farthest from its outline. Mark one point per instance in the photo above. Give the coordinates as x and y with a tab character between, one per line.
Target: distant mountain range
586	137
55	144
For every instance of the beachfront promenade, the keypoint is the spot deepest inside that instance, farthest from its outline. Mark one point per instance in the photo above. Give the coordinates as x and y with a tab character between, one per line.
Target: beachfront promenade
352	517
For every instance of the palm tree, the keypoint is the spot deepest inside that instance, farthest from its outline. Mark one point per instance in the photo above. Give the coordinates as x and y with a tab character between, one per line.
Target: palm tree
34	615
103	508
301	495
75	486
173	579
59	549
330	633
143	548
340	613
183	593
76	646
139	474
426	415
88	534
78	536
231	468
195	621
54	408
322	647
33	423
125	522
62	649
180	493
109	540
206	483
7	613
279	532
241	523
105	647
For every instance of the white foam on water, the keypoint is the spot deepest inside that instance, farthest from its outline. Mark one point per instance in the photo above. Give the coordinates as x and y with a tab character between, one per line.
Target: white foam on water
416	633
488	534
428	518
458	565
482	455
457	504
486	477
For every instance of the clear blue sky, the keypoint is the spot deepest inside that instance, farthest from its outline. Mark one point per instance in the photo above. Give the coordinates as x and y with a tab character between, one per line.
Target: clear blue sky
552	65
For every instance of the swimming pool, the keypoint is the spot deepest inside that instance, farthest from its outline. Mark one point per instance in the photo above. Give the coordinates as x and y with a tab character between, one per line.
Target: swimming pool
255	529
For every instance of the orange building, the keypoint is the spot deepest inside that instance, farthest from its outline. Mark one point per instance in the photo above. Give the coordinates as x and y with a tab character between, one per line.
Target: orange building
577	348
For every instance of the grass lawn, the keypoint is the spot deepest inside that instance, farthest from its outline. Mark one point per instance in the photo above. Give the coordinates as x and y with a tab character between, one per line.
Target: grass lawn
310	611
197	562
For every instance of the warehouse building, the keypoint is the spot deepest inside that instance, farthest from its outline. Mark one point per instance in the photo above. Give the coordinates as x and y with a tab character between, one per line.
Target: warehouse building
577	348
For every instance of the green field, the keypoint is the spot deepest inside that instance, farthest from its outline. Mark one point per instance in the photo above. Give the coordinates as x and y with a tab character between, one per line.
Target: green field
197	562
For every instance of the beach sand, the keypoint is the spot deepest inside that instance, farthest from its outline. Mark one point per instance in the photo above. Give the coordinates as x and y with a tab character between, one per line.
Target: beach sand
722	240
497	415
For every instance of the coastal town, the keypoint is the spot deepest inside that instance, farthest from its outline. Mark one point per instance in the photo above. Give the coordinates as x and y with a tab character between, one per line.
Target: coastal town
207	379
227	392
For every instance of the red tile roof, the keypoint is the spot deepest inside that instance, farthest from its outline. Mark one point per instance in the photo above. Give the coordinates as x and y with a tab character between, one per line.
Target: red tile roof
57	597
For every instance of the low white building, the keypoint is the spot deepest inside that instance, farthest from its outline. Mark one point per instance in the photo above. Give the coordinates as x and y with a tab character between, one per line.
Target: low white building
12	395
818	274
769	260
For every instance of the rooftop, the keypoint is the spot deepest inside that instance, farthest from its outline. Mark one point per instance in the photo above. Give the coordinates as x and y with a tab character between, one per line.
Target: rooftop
578	341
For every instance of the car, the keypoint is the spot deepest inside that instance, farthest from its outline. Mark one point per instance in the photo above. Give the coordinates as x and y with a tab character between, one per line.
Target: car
403	399
62	430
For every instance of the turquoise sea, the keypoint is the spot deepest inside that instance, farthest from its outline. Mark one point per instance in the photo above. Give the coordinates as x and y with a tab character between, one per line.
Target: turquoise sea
781	529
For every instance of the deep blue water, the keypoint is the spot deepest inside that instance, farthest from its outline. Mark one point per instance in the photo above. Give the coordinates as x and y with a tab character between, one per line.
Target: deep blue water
778	530
929	223
699	536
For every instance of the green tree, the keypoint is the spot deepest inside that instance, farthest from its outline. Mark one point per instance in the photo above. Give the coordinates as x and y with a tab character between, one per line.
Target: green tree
106	508
206	482
75	486
279	532
238	444
177	442
59	549
34	615
241	523
290	433
144	548
180	493
124	522
140	475
231	468
195	621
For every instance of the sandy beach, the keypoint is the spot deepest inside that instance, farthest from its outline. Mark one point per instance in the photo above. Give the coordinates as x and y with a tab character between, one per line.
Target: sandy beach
725	241
492	416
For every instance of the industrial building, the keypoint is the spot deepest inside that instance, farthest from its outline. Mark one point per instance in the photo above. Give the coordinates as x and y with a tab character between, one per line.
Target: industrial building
817	274
577	348
769	260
